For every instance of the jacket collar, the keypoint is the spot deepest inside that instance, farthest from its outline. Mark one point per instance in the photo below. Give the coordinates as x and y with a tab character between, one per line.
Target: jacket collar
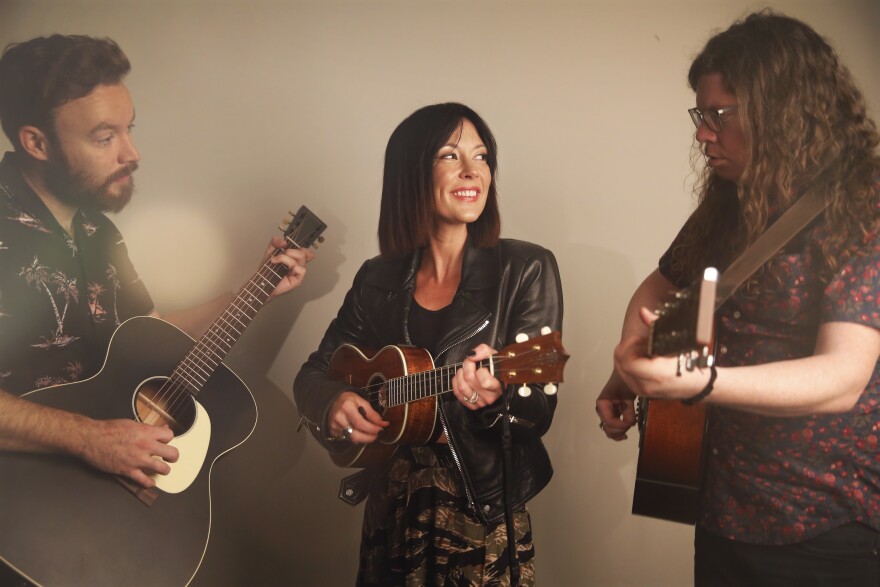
481	269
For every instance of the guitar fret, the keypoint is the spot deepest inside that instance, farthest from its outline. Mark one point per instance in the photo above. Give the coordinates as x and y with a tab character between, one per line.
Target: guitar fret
229	338
188	381
192	361
237	317
204	355
195	365
213	337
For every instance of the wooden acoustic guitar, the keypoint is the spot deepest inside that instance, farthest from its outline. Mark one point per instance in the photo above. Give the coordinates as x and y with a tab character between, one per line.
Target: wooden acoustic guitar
672	444
65	523
402	384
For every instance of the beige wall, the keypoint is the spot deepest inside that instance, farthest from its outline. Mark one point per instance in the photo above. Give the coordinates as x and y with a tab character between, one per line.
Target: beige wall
246	109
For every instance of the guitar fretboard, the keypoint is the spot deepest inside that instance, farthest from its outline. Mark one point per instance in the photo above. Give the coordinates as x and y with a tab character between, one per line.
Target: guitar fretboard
199	364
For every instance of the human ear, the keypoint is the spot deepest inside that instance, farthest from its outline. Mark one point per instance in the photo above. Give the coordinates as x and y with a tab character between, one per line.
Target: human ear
34	142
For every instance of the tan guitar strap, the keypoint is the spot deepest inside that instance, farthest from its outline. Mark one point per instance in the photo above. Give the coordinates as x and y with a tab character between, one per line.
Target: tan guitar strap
801	213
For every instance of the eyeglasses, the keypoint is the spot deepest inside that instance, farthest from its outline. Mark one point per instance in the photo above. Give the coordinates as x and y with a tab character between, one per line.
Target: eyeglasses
713	117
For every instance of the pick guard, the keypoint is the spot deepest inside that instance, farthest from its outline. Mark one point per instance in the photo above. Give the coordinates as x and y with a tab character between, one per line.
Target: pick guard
192	446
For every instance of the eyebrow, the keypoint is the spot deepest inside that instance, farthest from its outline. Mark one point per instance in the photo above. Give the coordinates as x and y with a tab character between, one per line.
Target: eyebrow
101	126
455	146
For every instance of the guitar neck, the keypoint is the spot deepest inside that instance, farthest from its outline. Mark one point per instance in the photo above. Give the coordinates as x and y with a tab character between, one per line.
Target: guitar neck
200	363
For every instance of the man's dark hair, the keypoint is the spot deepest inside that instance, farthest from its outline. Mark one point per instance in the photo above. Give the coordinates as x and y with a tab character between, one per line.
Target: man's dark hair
39	75
407	213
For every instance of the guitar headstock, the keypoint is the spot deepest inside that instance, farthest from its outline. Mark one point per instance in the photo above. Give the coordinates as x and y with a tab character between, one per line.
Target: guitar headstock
304	229
537	360
685	324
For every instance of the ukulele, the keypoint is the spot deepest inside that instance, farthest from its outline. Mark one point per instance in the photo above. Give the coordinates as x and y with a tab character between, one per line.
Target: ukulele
402	384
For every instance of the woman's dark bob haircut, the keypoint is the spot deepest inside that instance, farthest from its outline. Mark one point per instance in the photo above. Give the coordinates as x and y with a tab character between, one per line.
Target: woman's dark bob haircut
407	214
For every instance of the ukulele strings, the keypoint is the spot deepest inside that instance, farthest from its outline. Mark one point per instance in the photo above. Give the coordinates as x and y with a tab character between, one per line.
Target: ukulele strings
373	390
175	390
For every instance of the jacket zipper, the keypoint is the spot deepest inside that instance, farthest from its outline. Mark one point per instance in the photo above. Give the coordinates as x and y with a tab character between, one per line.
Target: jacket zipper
449	440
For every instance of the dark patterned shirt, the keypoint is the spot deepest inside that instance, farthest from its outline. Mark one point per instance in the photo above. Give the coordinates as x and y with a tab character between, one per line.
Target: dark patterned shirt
782	480
61	298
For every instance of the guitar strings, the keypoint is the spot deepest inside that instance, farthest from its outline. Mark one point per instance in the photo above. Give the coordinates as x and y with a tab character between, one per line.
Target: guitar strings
175	390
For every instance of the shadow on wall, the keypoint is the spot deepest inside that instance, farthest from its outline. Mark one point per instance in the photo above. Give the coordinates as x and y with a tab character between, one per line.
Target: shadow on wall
263	490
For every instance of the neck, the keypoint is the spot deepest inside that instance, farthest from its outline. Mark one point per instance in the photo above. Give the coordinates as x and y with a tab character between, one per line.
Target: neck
444	256
32	172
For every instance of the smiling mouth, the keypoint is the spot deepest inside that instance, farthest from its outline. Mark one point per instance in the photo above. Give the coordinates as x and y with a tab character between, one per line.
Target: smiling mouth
466	193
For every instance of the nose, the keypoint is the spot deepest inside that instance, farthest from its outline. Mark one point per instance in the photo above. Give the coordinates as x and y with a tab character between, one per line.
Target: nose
705	134
469	169
128	153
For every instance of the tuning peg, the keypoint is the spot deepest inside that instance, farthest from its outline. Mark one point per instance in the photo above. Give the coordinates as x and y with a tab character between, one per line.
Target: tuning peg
524	391
282	227
521	337
546	330
320	239
550	389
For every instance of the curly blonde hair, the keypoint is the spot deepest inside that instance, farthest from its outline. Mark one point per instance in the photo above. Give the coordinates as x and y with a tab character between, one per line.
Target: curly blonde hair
806	128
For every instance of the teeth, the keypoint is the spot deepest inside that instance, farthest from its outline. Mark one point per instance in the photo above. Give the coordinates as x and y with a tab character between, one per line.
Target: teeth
465	193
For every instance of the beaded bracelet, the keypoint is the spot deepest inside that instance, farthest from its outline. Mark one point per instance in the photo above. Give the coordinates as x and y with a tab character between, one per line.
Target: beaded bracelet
713	373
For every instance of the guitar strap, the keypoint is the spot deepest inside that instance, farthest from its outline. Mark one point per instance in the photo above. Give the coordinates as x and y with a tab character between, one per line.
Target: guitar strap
801	213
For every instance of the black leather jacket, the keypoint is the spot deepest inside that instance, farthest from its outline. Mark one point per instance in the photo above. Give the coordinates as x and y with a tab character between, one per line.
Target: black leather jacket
505	290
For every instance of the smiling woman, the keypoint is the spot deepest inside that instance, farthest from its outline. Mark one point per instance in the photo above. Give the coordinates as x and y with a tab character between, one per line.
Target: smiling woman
461	178
446	511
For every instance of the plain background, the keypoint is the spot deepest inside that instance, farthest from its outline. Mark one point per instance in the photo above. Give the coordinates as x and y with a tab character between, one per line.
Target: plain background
246	109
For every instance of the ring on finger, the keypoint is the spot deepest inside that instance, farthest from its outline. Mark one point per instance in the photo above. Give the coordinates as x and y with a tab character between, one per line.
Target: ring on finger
473	399
346	434
602	425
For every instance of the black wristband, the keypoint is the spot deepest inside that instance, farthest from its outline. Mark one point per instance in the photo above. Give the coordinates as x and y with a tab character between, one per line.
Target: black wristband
713	373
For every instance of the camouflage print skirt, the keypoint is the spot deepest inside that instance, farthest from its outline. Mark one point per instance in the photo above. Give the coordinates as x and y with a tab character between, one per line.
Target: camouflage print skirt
417	530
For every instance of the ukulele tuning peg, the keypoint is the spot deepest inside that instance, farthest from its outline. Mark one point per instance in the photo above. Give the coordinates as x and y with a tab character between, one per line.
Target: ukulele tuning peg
320	239
546	330
292	214
521	337
282	227
524	391
550	389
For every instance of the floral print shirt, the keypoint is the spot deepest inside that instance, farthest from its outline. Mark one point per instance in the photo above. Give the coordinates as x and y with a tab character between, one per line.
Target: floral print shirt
61	298
783	480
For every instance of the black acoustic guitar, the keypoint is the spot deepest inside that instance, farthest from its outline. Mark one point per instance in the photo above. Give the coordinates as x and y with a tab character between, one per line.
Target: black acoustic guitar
671	466
64	523
402	384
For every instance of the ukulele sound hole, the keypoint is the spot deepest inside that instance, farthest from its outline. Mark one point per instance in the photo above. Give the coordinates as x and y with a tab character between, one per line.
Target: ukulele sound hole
157	404
379	397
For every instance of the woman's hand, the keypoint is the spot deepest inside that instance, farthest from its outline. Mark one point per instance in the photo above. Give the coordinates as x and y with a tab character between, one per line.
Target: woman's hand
476	388
353	418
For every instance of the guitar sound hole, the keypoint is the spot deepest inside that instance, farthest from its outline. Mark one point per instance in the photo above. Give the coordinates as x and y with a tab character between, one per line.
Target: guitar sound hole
159	407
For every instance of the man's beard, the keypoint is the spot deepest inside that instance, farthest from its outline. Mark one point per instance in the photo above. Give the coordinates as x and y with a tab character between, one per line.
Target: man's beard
77	189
